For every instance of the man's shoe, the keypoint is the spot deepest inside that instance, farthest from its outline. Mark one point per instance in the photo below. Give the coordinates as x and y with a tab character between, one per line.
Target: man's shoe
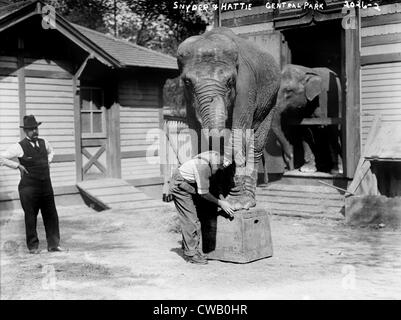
203	255
34	251
197	259
56	249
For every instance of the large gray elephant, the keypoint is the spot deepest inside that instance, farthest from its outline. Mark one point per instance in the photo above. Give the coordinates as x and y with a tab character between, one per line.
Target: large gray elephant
310	93
231	83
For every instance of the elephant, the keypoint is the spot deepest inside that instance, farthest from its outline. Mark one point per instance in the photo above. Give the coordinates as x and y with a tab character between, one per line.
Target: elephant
310	93
231	83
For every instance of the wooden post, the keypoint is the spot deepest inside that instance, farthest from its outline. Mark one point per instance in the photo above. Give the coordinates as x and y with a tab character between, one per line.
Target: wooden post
114	147
162	138
113	154
217	16
77	127
21	83
352	142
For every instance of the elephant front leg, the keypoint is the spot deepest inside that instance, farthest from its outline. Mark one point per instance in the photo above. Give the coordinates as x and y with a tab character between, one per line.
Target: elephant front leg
309	157
243	184
235	151
249	150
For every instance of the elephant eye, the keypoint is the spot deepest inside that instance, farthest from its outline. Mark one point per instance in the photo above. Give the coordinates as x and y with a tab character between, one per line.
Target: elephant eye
186	81
230	82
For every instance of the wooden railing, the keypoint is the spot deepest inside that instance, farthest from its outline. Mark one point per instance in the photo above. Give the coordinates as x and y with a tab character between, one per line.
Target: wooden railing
175	146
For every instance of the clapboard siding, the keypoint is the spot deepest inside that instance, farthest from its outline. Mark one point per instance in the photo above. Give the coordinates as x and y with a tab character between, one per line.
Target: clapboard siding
134	93
52	102
379	97
47	65
63	173
136	168
139	112
380	82
9	121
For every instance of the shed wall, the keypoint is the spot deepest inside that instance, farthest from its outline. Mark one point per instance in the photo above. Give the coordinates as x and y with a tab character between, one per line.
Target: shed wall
139	113
49	96
381	69
9	120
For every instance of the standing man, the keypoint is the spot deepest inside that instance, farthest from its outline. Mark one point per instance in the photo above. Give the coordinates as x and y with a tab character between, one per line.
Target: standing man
188	183
35	187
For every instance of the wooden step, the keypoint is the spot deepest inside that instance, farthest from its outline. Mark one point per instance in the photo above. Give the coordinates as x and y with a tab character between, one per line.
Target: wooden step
303	197
102	183
116	194
299	208
299	194
144	204
305	214
300	188
118	190
124	198
291	200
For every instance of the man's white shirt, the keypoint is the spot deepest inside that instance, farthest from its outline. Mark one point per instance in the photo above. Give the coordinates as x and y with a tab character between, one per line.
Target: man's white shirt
15	151
197	170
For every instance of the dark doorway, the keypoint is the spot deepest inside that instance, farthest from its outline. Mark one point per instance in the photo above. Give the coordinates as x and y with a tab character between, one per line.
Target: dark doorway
319	46
316	46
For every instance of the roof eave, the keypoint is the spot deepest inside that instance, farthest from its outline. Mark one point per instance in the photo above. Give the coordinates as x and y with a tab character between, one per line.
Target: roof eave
171	71
18	15
64	27
92	48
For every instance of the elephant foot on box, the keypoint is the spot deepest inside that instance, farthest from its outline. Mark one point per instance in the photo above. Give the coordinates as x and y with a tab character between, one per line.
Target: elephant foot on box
242	196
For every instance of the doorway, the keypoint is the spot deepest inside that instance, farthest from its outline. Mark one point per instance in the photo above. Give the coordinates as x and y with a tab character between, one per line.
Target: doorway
93	133
319	46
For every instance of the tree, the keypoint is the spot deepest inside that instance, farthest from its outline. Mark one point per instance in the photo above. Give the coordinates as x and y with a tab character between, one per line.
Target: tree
88	13
157	25
163	26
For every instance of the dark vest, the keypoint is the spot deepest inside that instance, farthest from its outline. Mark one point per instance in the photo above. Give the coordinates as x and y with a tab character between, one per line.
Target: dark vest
35	161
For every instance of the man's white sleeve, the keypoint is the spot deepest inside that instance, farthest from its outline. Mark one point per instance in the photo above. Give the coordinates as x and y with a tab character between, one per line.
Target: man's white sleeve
202	174
14	151
50	151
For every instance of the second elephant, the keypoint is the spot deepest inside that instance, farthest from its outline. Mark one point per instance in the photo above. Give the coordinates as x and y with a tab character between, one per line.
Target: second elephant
310	93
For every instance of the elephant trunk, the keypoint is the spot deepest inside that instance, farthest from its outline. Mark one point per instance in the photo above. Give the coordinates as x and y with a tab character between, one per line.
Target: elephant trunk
212	108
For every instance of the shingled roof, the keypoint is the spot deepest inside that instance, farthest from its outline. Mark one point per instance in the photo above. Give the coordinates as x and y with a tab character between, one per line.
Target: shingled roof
118	52
129	54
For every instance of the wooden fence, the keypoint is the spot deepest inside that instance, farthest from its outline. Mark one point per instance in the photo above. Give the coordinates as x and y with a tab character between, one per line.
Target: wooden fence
175	145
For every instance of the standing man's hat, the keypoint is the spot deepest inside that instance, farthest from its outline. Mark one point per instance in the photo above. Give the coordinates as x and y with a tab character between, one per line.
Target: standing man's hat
30	122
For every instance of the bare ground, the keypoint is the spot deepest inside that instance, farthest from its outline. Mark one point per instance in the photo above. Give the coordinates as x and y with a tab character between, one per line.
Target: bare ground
132	255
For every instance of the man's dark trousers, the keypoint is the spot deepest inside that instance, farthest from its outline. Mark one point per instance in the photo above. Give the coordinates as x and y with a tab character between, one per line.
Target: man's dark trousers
186	201
38	195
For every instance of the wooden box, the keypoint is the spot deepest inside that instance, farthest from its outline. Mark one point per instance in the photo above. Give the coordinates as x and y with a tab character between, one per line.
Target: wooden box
243	239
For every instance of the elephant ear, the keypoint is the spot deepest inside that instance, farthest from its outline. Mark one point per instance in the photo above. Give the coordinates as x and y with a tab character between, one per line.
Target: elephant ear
313	86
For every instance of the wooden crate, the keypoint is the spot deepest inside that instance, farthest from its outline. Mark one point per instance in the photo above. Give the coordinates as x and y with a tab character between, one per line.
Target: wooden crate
243	239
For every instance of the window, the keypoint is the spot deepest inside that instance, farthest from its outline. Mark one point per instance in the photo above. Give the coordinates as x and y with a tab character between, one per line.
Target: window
93	122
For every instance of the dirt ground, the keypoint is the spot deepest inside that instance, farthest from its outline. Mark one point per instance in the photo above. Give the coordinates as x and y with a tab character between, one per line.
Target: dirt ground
131	255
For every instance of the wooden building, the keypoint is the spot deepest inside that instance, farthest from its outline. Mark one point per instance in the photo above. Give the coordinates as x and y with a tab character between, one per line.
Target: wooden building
96	95
362	45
